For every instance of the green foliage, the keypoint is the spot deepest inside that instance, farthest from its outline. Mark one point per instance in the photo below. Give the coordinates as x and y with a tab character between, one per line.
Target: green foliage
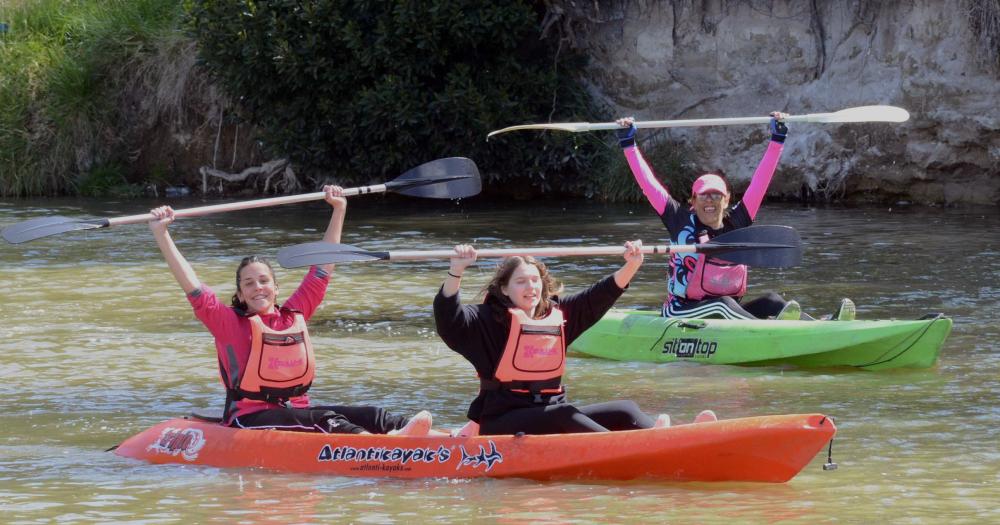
57	60
107	181
673	166
670	161
364	90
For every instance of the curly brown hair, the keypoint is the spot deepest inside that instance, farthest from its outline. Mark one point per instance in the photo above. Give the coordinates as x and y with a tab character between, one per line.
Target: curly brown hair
506	268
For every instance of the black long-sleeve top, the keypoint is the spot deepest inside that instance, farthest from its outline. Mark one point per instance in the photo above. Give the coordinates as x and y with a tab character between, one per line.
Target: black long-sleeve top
479	333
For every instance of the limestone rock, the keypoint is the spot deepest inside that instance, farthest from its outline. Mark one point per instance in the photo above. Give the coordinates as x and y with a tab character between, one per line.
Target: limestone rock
719	58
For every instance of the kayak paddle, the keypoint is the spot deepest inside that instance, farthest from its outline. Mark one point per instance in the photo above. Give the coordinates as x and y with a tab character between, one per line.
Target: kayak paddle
859	114
449	178
761	246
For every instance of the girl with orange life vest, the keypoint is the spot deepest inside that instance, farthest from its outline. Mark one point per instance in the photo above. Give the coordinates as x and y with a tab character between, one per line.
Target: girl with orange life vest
517	338
265	355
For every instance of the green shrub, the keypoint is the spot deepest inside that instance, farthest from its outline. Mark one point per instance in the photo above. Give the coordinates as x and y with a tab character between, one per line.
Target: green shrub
670	161
59	65
364	90
107	181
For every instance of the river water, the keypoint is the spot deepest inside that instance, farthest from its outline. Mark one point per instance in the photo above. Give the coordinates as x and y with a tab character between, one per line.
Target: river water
99	343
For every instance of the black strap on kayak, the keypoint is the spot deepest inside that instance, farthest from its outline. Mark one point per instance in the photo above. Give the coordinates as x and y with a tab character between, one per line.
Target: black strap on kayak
829	465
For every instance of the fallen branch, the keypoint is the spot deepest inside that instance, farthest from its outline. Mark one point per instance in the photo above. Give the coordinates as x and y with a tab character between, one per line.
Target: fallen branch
281	167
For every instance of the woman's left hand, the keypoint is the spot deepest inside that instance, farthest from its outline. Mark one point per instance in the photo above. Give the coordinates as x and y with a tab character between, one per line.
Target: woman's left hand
334	196
633	252
778	128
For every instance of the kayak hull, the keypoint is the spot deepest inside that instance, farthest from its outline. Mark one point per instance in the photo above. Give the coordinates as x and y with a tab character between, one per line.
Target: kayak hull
762	449
631	335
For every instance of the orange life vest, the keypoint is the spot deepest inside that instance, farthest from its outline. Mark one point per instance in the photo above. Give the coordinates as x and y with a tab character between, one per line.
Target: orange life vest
281	363
535	356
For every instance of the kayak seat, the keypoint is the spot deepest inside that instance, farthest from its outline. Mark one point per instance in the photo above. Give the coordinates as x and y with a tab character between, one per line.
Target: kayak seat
207	414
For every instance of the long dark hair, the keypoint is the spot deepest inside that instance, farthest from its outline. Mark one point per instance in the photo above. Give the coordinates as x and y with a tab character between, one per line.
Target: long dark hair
506	268
236	302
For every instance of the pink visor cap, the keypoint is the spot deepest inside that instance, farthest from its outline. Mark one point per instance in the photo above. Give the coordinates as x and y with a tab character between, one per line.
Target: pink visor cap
709	183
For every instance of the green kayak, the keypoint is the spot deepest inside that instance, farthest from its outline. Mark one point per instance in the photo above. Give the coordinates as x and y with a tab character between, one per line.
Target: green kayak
632	335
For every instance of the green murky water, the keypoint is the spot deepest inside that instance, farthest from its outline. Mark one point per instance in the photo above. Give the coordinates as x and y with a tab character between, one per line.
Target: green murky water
97	343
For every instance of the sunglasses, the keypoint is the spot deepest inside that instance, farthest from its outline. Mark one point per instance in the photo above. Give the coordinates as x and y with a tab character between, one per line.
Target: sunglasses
714	197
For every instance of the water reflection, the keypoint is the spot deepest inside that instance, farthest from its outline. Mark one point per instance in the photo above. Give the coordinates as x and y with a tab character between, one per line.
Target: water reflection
98	343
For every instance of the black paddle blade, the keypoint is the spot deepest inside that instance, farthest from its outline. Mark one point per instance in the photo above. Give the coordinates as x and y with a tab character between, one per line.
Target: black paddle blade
450	178
761	246
319	253
45	226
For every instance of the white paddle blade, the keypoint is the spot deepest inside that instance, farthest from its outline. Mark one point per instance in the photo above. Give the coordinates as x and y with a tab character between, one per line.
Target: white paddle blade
864	114
572	127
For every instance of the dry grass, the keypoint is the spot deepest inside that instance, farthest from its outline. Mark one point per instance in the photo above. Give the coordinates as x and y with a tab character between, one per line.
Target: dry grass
984	19
96	83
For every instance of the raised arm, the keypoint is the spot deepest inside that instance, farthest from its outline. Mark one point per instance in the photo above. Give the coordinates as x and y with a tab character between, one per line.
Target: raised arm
633	260
334	197
655	193
754	195
464	256
179	267
585	308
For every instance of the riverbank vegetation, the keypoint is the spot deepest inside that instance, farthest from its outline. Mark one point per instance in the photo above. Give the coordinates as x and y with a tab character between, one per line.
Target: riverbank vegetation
116	97
65	67
364	91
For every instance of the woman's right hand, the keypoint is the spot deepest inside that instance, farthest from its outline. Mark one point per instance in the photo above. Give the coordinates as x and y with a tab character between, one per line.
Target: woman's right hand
465	255
162	217
334	196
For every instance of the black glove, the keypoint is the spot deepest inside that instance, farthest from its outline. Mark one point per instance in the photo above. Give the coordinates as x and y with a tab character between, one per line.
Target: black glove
626	136
778	130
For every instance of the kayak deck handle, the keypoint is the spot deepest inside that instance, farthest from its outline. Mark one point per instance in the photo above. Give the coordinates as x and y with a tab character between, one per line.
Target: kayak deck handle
829	465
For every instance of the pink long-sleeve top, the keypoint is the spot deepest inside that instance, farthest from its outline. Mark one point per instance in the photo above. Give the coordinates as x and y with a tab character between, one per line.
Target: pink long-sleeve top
659	197
683	223
232	333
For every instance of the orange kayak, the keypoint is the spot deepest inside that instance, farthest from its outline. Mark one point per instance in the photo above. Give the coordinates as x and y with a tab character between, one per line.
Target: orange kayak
766	448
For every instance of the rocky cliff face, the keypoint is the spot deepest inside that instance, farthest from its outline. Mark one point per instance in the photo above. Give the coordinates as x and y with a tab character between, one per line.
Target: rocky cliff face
662	60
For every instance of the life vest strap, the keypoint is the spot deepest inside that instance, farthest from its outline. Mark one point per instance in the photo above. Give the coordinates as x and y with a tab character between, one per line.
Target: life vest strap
273	395
548	386
541	330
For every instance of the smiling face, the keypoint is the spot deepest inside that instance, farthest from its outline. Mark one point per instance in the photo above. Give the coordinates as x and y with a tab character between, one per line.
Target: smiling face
257	288
524	288
710	208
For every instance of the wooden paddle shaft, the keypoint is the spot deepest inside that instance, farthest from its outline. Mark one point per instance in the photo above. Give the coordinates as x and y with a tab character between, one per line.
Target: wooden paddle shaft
247	205
413	255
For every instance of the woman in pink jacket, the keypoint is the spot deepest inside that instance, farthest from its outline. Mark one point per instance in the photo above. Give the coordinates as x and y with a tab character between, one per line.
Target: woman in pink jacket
700	286
265	354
